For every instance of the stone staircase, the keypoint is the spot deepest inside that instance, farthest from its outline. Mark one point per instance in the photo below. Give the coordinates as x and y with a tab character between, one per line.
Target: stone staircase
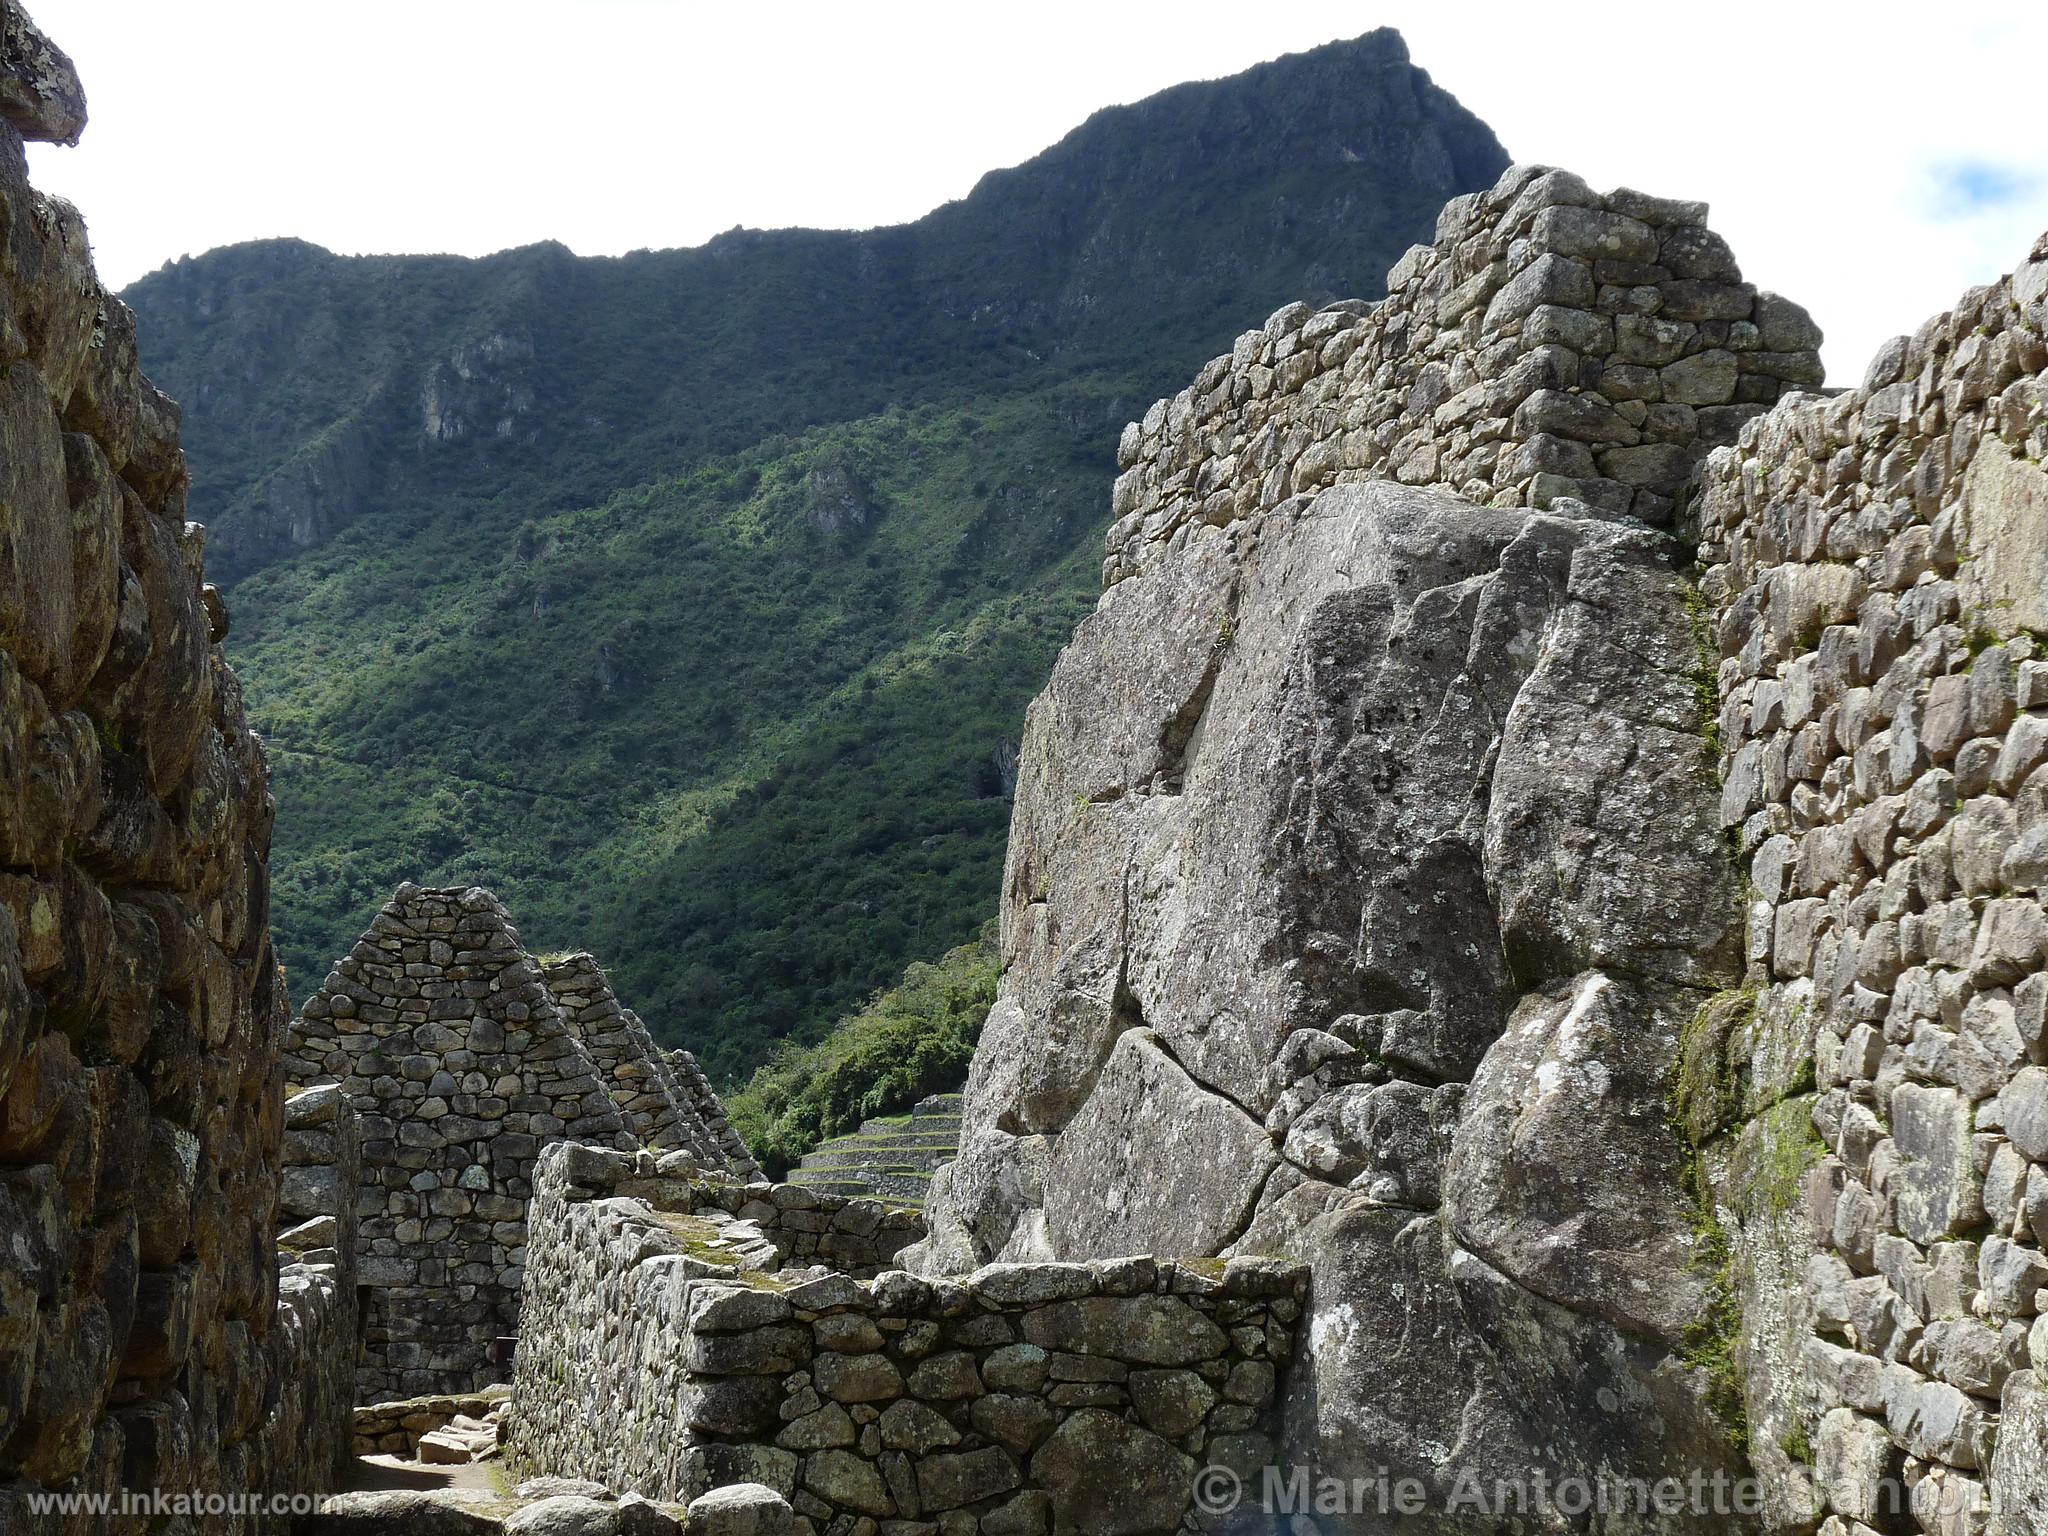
891	1158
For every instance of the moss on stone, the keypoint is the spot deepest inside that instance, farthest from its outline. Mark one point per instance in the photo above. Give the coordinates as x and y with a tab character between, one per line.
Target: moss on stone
1707	1086
1706	673
1712	1344
1773	1160
1796	1445
700	1239
1706	1101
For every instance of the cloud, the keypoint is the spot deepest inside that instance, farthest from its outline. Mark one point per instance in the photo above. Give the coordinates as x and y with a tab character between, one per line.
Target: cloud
1961	188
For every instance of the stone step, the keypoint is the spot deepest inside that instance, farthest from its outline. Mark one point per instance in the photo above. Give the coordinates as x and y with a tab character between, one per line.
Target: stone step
912	1141
910	1125
945	1146
925	1158
828	1182
903	1188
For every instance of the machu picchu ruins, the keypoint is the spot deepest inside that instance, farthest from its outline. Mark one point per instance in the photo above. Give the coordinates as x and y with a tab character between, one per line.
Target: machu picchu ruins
1523	963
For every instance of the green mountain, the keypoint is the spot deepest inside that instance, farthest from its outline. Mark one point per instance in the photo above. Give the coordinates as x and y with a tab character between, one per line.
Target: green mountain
691	599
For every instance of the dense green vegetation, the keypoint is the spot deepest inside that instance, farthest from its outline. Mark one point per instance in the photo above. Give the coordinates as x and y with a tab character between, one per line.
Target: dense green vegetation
908	1042
692	599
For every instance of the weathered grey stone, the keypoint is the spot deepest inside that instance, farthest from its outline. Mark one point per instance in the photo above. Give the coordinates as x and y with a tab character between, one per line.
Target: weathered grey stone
1937	1191
2003	523
1111	1478
2019	1465
951	1479
858	1378
742	1509
1191	1162
382	1514
565	1515
1567	1099
907	1425
559	1487
847	1480
1858	1466
1016	1423
1150	1330
1171	1402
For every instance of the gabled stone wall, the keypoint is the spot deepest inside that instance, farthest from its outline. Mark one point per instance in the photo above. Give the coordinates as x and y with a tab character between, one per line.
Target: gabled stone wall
657	1106
1020	1399
146	1338
1876	568
694	1087
441	1033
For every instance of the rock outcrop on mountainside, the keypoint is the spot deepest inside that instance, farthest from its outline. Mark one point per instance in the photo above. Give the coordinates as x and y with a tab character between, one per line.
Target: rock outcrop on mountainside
1368	877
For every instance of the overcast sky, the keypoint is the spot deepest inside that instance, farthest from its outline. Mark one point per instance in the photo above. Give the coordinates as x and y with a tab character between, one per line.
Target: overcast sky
1870	160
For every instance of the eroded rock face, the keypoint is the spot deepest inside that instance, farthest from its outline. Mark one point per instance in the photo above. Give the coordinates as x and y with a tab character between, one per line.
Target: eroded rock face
1363	876
1366	869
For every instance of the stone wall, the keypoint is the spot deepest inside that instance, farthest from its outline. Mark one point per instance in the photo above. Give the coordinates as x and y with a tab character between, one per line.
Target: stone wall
813	1226
441	1034
322	1155
1876	568
146	1339
658	1108
1019	1399
696	1089
394	1429
1551	342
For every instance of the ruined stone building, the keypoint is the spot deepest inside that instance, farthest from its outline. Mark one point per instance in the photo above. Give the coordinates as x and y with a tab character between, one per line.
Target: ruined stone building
1524	952
464	1056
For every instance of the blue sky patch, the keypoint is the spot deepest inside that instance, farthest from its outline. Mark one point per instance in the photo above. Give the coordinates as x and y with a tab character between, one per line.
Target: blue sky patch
1976	186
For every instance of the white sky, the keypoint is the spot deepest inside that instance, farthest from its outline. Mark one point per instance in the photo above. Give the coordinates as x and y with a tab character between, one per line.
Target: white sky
1870	160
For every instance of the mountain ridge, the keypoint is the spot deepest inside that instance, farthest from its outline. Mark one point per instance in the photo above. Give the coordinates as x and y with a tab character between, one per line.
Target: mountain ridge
690	598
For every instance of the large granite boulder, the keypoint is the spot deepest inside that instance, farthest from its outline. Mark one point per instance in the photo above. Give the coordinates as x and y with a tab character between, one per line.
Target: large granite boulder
1364	870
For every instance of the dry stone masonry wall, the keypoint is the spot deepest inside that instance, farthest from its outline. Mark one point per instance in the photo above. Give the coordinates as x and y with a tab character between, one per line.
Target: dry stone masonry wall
146	1337
651	1097
443	1037
1551	342
311	1434
1876	566
695	1088
465	1056
813	1227
1019	1399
